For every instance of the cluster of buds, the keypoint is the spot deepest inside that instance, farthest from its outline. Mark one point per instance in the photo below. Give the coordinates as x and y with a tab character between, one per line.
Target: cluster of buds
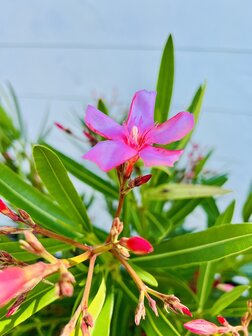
137	245
17	278
204	327
171	303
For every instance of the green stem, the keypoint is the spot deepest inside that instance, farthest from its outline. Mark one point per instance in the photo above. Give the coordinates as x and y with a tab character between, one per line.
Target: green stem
139	283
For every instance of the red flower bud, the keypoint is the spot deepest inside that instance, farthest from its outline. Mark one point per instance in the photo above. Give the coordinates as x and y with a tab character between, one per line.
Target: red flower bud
222	320
140	180
137	245
8	212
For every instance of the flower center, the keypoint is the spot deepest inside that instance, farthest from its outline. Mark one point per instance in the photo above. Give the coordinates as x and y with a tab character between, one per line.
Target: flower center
135	134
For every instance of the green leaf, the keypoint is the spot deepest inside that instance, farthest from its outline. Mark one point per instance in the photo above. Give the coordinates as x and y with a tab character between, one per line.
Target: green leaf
205	283
194	108
247	207
226	216
102	107
102	324
165	82
98	301
144	275
18	111
190	249
176	191
86	176
54	176
227	298
159	326
40	208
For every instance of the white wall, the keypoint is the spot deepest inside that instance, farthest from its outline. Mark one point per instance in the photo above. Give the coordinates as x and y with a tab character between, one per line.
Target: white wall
58	52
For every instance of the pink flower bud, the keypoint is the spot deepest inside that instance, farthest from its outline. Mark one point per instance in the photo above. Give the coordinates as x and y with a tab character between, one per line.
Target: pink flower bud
225	287
16	280
137	245
8	212
140	313
203	327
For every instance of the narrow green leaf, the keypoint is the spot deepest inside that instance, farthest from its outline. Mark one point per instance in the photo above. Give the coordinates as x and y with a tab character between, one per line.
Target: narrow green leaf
144	275
102	325
102	107
190	249
205	282
98	301
226	216
165	82
227	298
41	209
57	182
176	191
247	207
17	110
210	206
159	326
86	176
194	108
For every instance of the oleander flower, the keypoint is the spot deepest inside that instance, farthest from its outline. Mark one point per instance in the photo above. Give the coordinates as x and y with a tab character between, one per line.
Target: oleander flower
135	138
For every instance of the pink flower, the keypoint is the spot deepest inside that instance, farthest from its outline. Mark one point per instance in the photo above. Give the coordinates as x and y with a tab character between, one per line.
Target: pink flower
203	327
137	245
15	281
136	136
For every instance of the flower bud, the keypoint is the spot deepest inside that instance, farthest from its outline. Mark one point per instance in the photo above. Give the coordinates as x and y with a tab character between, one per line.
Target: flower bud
7	260
140	313
32	244
222	320
225	287
171	302
15	306
16	280
203	327
140	180
8	212
137	245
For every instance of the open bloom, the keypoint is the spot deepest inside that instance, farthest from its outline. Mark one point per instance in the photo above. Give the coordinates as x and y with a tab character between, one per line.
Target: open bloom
135	138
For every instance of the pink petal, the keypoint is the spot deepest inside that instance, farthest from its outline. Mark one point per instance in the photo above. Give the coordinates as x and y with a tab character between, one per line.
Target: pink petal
136	244
201	327
12	281
110	154
141	112
154	156
103	125
172	130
